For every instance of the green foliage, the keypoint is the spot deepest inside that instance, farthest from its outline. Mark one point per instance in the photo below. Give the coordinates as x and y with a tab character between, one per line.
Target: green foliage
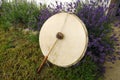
79	7
18	56
19	12
33	38
86	70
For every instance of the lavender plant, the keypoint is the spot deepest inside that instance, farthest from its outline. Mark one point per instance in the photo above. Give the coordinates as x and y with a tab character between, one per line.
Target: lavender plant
97	20
98	23
51	9
19	12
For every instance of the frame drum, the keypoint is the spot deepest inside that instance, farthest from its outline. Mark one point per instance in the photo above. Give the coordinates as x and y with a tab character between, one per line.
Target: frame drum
68	47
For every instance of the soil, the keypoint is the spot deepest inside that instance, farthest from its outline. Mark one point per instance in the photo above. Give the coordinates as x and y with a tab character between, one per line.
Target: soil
113	69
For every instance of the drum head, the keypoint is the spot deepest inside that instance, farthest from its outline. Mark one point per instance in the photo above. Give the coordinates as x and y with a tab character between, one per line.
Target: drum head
69	50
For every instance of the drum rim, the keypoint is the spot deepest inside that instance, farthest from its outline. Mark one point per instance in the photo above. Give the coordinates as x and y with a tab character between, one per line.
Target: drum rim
85	48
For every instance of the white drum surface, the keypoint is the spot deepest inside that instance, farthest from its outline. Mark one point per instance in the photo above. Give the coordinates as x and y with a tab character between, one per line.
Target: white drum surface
69	50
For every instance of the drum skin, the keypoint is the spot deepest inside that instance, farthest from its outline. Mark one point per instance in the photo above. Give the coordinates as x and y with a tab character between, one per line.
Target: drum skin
69	50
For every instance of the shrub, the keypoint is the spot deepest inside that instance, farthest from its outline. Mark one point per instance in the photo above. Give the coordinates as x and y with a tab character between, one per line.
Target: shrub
78	72
47	12
98	27
19	12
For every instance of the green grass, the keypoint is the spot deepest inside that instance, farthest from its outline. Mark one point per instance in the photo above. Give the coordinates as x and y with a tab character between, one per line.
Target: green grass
20	56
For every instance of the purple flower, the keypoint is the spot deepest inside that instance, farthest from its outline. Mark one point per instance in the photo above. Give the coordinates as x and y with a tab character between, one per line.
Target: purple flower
117	24
102	60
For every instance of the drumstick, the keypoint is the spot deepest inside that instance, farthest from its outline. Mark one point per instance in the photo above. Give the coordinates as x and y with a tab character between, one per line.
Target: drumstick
40	67
45	58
